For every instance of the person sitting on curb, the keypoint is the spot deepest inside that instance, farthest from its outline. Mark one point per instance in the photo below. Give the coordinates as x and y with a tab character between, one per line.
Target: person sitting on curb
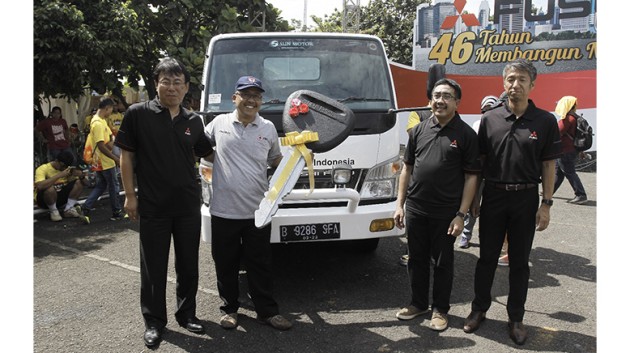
56	186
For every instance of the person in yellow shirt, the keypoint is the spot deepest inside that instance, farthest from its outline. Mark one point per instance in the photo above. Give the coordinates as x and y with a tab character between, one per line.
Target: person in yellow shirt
416	118
116	118
56	185
87	121
105	162
114	121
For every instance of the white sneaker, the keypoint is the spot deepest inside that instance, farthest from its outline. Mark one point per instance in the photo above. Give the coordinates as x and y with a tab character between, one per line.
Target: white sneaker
229	321
55	216
71	213
410	312
439	321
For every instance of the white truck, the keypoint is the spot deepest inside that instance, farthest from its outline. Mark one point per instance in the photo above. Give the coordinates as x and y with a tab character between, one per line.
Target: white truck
350	68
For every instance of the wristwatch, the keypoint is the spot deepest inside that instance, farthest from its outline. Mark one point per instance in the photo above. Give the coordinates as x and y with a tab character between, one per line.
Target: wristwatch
547	202
460	214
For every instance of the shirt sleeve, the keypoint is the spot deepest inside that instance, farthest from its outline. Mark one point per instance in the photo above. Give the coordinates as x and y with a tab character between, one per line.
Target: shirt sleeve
482	137
472	163
410	151
125	138
274	151
203	146
40	173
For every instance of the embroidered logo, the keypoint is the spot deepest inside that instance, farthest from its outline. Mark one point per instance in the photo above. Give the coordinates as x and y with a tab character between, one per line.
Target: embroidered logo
454	144
533	135
187	132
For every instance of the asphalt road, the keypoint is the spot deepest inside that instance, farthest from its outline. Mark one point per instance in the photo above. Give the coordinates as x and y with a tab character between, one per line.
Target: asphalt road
87	282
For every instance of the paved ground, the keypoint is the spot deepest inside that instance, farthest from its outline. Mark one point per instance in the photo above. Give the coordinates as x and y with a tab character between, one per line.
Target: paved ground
86	294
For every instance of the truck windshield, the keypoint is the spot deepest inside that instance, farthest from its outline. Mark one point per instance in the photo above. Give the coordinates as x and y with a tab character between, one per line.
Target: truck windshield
351	70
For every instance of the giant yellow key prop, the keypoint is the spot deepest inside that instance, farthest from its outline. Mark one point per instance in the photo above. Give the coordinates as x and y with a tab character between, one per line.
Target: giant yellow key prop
287	174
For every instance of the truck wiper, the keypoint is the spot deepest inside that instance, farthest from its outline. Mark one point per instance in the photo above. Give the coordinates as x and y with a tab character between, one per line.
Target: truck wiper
273	101
362	99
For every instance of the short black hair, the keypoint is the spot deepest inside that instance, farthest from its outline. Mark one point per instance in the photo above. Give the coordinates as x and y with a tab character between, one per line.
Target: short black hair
452	83
66	158
170	66
105	102
521	64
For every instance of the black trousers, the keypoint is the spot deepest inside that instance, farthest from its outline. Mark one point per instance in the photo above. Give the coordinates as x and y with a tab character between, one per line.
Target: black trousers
514	213
428	242
234	240
155	244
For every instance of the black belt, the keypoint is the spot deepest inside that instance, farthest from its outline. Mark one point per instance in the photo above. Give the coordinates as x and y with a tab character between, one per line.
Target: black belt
511	187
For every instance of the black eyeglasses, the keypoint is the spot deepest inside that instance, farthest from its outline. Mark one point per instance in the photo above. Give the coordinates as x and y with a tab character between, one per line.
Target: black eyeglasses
168	83
445	96
247	96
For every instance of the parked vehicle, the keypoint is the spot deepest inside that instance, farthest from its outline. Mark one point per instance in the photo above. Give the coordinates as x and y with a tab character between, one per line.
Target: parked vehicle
350	68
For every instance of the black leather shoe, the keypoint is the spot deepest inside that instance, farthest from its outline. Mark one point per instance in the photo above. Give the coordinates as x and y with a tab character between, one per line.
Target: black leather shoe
152	336
192	324
473	321
518	333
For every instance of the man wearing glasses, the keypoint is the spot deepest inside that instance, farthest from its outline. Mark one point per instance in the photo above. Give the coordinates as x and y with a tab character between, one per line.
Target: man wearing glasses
160	141
437	185
246	144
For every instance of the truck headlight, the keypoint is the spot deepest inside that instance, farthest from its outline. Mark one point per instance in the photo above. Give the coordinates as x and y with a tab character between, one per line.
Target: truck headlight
205	172
381	182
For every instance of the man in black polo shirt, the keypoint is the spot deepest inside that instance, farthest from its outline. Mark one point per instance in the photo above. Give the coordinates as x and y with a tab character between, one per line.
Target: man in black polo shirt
518	144
437	185
162	139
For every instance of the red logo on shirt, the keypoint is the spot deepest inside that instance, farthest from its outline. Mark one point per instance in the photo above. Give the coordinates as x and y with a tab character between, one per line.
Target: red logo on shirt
533	135
187	132
454	144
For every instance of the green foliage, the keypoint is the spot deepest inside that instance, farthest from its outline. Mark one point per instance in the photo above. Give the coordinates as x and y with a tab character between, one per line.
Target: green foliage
79	44
390	20
91	44
332	23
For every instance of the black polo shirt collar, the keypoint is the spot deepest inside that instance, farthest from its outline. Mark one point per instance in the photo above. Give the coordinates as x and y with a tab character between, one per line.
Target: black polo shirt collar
528	115
454	123
156	107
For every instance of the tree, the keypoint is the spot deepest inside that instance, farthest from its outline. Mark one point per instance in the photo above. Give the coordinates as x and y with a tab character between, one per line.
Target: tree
390	20
183	29
81	44
332	23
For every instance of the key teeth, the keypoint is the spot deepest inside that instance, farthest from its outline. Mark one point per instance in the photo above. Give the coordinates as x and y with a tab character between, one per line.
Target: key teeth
264	213
258	221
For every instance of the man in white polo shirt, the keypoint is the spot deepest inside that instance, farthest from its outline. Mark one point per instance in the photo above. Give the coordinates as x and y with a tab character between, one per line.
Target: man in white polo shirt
246	144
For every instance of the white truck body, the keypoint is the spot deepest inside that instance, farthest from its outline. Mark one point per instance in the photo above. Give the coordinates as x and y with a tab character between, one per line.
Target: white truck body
350	68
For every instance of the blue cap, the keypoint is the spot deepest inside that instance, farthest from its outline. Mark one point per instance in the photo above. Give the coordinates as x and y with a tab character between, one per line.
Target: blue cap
246	82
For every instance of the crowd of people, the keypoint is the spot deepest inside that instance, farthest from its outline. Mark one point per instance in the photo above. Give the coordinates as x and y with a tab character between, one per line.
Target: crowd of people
63	164
452	174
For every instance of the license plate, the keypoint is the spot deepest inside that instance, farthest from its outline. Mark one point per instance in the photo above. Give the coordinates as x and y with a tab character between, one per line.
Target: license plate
315	231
